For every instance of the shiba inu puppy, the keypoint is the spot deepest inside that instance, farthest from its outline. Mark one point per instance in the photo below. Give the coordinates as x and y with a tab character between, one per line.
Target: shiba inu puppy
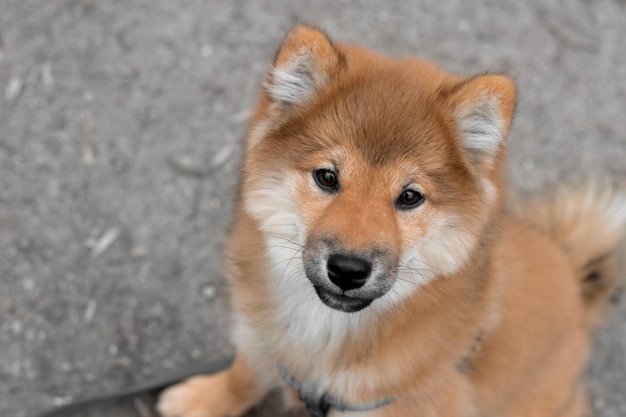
375	270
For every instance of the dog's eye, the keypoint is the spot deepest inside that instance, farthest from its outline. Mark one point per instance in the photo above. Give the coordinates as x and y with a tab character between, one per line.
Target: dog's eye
326	179
409	199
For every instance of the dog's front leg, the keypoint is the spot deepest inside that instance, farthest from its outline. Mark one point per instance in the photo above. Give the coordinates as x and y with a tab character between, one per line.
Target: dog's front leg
228	393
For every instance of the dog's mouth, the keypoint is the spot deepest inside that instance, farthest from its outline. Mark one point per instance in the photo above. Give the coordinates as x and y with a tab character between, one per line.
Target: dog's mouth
342	302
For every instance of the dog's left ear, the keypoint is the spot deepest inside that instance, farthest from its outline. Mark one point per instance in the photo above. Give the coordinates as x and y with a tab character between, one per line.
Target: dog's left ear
482	108
306	61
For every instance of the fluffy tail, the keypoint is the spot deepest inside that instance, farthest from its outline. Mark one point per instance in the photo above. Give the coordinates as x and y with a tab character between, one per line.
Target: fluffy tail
589	223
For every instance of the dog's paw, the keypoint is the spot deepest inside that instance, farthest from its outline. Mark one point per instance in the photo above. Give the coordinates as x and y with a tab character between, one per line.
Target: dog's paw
201	396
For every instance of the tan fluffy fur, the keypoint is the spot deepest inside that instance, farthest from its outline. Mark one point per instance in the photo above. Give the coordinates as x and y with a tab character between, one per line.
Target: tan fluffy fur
486	315
587	221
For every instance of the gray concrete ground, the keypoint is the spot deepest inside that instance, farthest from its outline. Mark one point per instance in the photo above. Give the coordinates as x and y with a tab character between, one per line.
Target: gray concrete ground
120	124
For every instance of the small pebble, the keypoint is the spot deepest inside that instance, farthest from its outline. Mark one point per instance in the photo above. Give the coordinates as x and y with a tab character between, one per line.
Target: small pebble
16	326
186	165
47	79
90	311
28	284
57	401
242	116
24	243
206	51
104	243
88	154
529	164
13	89
222	156
209	291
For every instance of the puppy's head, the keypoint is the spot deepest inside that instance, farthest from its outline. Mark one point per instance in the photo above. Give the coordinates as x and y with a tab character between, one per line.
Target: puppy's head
370	177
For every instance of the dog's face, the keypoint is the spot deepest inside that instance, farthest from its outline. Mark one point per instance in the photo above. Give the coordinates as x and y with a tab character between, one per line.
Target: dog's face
370	177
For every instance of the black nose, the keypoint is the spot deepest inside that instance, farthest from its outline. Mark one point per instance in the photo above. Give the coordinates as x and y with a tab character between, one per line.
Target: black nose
348	272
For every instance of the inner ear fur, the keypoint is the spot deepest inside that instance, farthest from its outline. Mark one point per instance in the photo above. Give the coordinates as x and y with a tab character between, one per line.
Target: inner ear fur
482	108
306	61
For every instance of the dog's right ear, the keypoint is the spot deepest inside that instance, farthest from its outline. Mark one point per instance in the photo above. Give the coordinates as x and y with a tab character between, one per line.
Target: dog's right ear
306	61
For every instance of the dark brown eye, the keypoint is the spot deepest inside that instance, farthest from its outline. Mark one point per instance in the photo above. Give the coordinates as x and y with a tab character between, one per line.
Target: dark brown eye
326	180
409	199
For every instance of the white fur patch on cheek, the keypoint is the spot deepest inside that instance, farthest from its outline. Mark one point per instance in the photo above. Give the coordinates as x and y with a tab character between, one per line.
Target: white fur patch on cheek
272	204
446	246
413	275
444	249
